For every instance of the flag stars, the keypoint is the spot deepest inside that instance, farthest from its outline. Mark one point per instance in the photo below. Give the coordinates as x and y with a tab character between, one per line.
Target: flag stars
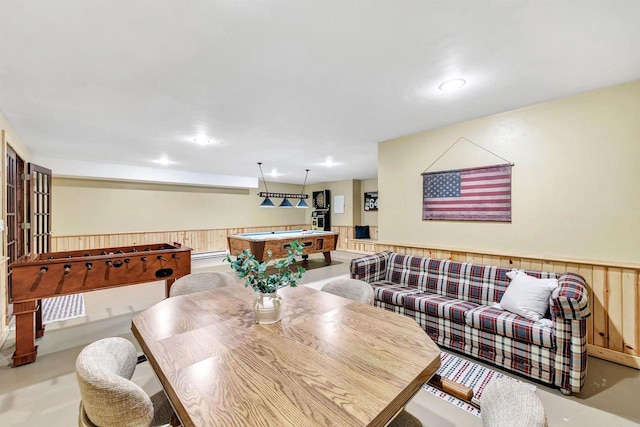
443	185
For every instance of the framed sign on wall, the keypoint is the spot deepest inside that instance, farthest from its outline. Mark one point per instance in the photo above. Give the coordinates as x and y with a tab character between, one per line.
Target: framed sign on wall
371	201
321	199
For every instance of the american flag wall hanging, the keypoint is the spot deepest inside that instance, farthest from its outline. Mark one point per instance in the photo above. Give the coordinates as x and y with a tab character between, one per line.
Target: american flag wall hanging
473	194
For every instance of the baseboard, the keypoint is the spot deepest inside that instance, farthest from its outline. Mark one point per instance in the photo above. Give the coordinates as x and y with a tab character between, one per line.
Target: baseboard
206	255
614	356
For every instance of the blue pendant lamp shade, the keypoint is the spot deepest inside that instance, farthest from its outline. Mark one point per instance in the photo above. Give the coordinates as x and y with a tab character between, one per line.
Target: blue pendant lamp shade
266	203
302	203
285	203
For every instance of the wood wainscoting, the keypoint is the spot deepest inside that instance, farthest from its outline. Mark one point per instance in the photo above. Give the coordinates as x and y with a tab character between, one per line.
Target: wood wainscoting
614	290
201	241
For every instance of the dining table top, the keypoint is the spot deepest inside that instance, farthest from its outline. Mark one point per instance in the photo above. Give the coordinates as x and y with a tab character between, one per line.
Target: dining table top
329	361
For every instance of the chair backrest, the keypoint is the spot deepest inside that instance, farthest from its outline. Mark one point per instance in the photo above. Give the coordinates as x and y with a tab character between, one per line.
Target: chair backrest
505	402
103	370
352	289
195	282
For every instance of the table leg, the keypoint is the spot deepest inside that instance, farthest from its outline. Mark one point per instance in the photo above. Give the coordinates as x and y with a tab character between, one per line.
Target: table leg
26	349
39	326
327	257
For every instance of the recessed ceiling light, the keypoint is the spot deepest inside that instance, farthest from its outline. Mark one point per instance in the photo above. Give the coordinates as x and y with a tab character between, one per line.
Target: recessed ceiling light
451	85
164	161
329	163
274	173
201	140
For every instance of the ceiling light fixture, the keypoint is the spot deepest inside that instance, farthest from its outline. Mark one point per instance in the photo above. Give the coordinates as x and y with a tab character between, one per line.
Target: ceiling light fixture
285	203
329	163
451	85
202	140
164	161
302	203
274	173
266	203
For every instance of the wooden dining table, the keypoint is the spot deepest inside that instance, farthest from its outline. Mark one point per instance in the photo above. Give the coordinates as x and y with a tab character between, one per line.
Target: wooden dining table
330	361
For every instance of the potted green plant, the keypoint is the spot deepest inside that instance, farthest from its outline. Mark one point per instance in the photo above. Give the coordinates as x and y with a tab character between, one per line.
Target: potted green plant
268	303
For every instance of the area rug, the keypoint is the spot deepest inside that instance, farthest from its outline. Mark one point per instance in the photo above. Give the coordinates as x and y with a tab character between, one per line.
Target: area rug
310	264
61	308
466	373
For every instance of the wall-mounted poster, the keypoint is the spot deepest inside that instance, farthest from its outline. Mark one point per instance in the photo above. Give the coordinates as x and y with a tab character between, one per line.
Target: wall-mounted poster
474	194
371	201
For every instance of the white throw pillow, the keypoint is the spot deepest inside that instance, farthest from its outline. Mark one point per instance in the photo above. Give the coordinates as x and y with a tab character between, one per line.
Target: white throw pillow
527	296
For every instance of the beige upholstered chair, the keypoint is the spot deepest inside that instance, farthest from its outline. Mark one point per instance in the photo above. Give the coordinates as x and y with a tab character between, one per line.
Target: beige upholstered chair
109	398
195	282
405	419
355	290
506	403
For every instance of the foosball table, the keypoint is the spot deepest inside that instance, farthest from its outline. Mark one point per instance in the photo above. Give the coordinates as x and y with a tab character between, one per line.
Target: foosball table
46	275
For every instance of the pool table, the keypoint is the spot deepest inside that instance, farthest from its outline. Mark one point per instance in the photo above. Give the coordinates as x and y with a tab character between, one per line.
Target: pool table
279	242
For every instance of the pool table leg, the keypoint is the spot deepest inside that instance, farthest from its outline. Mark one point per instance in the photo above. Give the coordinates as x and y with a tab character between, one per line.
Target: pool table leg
327	257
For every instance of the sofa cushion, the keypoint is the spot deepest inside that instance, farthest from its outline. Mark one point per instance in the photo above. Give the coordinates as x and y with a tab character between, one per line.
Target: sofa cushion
411	271
528	296
480	284
500	322
439	306
391	293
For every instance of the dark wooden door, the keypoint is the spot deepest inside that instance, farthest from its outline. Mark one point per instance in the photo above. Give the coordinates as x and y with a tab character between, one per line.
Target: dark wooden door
12	205
38	237
15	214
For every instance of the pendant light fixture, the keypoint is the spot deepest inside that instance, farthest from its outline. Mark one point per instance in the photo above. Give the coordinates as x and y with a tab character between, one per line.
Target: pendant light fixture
266	203
302	203
285	203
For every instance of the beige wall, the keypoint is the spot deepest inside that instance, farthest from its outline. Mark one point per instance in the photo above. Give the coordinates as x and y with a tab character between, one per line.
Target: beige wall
353	192
337	188
575	180
100	207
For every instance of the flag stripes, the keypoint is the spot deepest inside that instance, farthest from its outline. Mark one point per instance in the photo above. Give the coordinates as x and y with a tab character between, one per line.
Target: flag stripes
481	194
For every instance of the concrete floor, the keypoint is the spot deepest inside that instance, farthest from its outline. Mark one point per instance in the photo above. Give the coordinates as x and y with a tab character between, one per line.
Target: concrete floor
45	393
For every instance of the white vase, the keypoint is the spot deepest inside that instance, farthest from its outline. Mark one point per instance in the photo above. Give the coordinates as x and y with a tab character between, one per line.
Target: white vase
267	307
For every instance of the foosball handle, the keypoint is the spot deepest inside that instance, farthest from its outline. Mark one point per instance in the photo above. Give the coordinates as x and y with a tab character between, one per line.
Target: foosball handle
453	388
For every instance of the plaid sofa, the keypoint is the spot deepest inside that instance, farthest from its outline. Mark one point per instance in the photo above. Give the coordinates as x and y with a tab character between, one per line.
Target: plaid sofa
453	302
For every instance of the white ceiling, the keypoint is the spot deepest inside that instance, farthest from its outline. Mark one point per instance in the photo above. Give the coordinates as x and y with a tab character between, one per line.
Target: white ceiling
289	83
